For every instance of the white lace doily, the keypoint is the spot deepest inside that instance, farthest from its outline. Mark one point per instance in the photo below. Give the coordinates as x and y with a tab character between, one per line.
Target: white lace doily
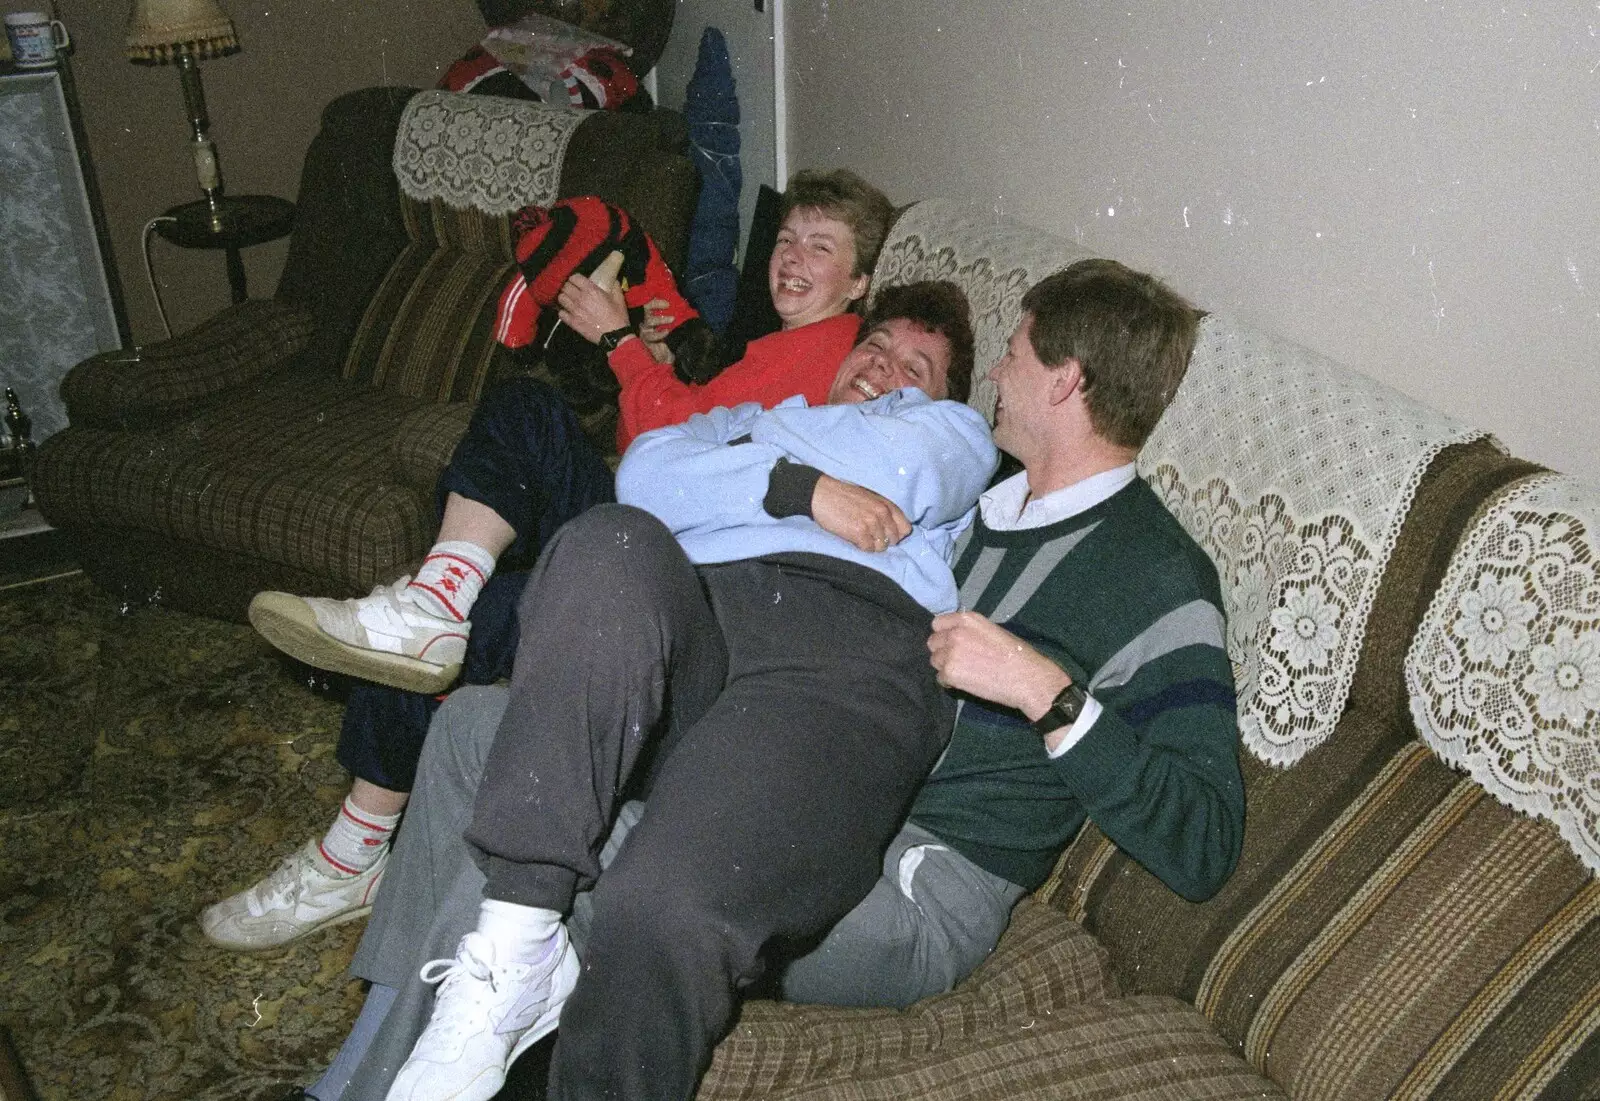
991	257
1504	673
497	155
1294	472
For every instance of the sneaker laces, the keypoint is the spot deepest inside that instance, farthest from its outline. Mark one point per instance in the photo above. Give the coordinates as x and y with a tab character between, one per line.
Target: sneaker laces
465	965
393	610
280	888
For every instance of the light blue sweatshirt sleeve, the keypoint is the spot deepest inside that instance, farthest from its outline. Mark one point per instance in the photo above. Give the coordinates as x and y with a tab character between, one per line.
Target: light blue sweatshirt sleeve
688	477
931	458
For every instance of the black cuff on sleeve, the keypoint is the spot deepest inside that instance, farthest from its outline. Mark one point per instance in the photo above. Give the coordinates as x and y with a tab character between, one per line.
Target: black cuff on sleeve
789	489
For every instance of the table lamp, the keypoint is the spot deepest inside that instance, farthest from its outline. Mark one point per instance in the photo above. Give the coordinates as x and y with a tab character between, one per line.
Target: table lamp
161	32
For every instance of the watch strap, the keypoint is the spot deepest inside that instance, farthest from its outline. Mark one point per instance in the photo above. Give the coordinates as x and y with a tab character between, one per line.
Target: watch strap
609	341
1064	710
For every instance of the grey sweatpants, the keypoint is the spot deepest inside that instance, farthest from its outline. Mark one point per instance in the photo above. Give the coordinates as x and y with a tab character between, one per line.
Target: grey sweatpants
930	919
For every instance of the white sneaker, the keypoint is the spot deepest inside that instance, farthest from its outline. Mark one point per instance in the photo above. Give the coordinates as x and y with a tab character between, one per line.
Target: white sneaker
296	900
484	1016
383	637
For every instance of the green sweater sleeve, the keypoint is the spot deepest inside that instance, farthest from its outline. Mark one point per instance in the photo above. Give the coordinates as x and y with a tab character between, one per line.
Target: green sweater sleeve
1158	771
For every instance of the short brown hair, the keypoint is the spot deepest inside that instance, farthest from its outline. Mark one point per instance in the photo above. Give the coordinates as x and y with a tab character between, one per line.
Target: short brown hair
937	307
841	194
1130	333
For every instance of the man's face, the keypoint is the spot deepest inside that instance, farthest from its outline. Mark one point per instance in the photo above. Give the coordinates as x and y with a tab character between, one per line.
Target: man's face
811	271
1024	385
894	354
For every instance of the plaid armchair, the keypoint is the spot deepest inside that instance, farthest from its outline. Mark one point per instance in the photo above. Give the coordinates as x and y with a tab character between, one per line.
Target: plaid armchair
294	442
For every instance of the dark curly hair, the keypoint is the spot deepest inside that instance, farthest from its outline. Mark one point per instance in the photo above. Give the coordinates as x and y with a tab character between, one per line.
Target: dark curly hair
938	306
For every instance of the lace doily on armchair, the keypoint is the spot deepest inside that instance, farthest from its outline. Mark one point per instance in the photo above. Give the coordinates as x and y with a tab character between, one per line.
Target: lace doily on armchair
991	257
1294	472
496	155
1504	674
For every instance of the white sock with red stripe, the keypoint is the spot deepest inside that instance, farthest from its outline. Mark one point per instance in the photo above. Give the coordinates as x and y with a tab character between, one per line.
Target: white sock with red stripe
356	839
451	578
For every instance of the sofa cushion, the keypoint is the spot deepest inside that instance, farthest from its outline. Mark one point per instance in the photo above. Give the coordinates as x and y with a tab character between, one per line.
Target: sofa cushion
463	164
346	231
297	470
1122	1049
1043	963
428	331
1392	930
425	441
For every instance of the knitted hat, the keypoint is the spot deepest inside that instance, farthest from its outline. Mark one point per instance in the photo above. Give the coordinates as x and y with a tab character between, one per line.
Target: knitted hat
574	235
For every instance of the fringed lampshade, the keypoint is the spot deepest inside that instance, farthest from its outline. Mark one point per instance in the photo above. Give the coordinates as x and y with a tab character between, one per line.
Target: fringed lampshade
160	31
185	31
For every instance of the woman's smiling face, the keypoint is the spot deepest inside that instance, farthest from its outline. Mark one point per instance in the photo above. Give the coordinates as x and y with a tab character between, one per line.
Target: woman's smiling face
812	271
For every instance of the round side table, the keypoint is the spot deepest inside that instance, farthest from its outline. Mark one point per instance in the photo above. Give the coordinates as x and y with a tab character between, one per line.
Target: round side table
240	221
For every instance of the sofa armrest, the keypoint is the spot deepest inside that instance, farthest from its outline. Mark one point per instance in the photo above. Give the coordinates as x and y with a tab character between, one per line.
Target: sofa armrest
144	389
425	441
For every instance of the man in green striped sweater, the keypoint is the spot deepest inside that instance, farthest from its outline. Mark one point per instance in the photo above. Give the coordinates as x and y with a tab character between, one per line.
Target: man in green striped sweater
1088	659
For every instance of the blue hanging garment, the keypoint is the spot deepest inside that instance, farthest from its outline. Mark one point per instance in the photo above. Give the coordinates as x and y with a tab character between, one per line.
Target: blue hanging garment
711	106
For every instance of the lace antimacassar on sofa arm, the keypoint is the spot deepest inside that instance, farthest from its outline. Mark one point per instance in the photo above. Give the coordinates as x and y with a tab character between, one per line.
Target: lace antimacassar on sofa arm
1295	473
495	155
1504	673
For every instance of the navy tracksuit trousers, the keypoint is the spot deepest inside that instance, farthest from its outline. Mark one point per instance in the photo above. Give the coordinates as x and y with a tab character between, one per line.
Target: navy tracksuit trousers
525	456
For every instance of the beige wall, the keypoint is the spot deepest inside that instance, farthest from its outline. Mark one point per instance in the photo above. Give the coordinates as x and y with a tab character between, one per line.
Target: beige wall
264	103
1413	189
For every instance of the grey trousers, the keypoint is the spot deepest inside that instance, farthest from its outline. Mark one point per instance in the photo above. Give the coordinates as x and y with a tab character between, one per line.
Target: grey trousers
930	919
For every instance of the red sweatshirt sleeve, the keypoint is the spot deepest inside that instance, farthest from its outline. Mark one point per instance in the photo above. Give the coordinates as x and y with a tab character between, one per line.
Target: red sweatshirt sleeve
775	367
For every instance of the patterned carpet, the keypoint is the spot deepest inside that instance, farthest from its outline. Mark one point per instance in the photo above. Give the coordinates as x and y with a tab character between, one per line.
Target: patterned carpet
150	763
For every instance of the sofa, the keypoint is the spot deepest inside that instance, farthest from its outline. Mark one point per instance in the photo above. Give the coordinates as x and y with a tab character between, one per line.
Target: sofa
295	442
1414	620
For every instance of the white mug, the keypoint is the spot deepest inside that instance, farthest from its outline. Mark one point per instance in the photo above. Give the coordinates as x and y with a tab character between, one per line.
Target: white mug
35	38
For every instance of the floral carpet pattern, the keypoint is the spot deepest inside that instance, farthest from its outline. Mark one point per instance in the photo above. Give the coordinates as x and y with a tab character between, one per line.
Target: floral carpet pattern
150	763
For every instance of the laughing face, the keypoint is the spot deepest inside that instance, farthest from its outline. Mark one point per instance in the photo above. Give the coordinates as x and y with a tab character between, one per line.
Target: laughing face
811	274
894	354
1024	386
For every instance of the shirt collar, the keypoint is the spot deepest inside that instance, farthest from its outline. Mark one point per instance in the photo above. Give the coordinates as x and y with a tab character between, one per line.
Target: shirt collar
1003	508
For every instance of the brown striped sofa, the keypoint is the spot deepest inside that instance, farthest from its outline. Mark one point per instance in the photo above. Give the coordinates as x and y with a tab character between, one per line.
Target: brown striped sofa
1394	929
294	442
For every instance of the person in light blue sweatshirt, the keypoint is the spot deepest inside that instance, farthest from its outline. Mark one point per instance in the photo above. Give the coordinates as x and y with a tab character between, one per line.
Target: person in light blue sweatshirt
744	640
923	455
